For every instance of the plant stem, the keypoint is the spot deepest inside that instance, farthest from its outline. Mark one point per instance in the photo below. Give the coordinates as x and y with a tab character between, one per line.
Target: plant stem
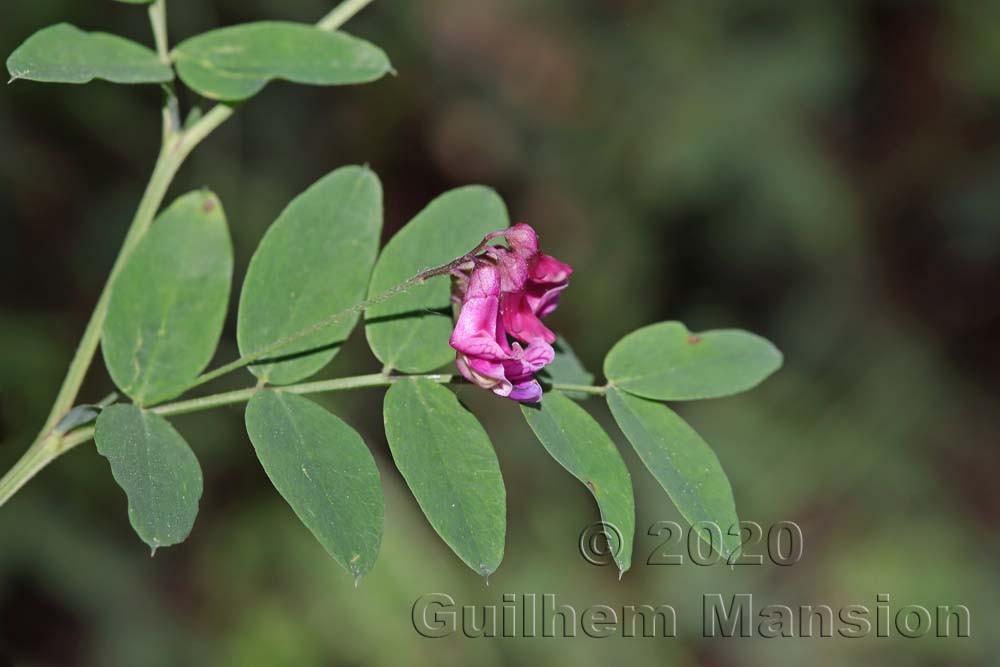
158	20
175	148
340	14
83	434
582	388
34	459
243	395
167	164
171	108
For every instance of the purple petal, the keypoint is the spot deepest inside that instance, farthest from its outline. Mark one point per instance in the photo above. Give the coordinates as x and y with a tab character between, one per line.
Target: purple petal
526	392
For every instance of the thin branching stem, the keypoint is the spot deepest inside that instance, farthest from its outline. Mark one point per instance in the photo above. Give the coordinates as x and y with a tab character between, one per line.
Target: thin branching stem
158	21
85	433
177	144
340	14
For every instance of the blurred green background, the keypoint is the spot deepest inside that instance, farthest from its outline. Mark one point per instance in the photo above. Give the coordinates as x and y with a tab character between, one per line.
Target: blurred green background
825	174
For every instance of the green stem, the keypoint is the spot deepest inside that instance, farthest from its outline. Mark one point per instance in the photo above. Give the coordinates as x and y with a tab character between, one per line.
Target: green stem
243	395
176	146
340	14
158	20
34	459
83	434
167	164
171	108
582	388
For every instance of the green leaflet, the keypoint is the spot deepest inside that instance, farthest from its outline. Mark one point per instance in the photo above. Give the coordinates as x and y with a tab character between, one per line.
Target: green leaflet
314	261
449	464
236	62
323	469
667	362
683	464
577	442
157	470
169	301
63	53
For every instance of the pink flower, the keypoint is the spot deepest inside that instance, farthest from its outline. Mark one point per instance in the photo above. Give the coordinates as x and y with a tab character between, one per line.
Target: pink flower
547	277
508	291
485	357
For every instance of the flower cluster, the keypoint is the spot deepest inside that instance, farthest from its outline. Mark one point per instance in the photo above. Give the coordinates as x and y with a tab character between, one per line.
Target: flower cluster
505	292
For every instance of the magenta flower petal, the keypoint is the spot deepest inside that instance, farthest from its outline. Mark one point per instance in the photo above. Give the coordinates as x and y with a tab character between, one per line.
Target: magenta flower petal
475	331
521	321
542	299
522	240
513	269
546	269
523	364
507	291
484	373
538	355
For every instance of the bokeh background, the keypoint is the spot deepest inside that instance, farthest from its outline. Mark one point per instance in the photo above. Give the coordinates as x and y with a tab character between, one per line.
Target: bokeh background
825	174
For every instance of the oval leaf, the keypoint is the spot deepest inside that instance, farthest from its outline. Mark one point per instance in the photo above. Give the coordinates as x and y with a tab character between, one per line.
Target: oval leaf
323	469
410	331
667	362
65	54
157	470
235	63
449	464
579	444
683	464
313	262
168	303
